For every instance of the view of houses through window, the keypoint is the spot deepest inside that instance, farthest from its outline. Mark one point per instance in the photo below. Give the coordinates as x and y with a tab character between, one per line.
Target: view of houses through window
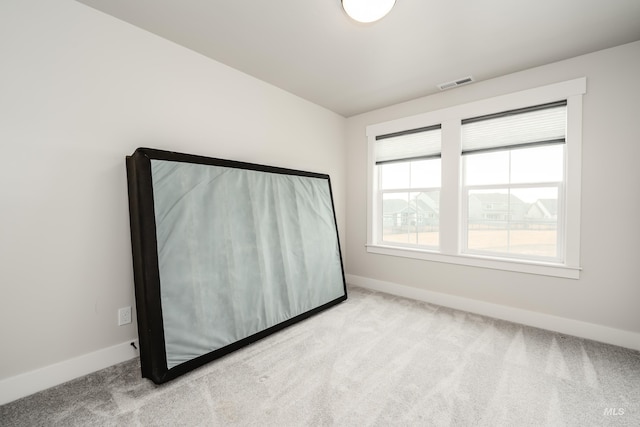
411	218
501	222
411	202
504	217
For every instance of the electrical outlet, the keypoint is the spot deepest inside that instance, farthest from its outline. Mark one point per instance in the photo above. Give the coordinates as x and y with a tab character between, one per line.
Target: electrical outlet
124	316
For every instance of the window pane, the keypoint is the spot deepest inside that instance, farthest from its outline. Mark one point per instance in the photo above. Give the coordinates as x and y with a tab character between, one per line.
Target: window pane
411	218
425	173
396	217
538	164
516	166
427	205
487	168
487	226
411	174
536	232
514	222
395	175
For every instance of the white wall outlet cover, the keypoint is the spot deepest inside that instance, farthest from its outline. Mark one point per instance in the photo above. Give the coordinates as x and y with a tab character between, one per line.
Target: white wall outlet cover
124	316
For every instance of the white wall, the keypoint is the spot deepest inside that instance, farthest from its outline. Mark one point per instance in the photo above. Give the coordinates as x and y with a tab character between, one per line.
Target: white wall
605	299
79	90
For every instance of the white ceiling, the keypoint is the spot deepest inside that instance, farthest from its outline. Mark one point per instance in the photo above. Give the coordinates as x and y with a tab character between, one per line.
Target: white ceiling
312	49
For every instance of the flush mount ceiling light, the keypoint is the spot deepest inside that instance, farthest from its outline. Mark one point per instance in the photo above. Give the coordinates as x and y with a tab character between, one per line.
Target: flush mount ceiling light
367	10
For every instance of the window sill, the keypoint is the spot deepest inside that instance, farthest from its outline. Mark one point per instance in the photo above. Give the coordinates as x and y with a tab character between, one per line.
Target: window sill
540	268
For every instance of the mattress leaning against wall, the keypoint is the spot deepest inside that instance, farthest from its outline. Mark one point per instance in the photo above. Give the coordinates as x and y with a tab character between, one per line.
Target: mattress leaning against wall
225	253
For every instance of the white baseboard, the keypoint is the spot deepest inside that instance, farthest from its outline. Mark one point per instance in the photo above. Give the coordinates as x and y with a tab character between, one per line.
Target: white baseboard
563	325
22	385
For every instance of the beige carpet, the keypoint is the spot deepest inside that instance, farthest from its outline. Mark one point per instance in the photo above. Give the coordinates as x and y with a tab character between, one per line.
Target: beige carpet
372	360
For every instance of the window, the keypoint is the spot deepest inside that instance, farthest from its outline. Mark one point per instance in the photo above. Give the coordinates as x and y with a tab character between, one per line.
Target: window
513	175
494	183
408	166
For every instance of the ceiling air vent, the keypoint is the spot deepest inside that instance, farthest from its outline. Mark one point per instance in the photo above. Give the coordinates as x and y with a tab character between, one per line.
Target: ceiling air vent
455	83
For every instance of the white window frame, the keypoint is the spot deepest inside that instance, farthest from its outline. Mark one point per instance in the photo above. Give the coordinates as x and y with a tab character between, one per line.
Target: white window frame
451	183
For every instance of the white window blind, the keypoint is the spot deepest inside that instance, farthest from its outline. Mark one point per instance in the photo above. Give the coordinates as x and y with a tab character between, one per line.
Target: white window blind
414	144
537	125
